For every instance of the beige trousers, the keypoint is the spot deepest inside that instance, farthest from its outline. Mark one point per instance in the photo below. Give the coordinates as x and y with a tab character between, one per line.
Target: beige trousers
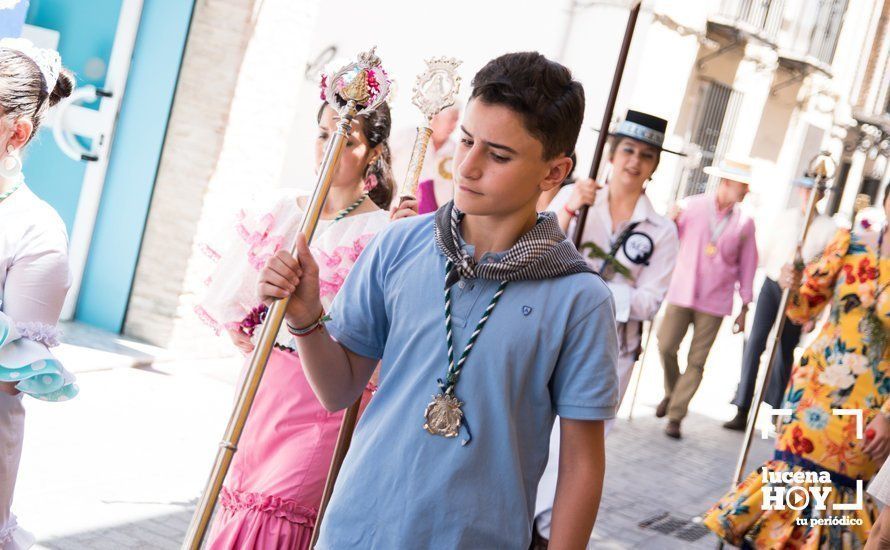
680	388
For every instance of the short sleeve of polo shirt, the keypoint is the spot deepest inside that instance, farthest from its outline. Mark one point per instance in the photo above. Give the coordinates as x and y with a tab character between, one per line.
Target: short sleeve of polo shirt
359	320
584	385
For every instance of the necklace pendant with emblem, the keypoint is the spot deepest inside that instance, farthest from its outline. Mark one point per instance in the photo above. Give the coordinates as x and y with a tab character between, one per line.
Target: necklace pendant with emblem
443	416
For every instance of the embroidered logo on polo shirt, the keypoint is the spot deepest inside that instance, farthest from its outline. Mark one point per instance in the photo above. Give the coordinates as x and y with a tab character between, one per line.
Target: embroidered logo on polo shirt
526	310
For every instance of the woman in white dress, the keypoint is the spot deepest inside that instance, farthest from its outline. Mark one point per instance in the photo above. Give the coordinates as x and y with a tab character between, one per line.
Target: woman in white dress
33	264
629	244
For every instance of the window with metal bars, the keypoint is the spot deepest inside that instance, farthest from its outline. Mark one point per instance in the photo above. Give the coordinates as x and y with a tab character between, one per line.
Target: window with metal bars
814	33
715	118
828	27
765	16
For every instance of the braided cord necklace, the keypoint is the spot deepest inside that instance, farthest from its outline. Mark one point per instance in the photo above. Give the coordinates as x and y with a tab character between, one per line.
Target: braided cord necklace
345	212
444	415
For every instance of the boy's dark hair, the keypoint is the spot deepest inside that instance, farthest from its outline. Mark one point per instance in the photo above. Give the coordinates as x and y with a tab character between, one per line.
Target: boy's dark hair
541	91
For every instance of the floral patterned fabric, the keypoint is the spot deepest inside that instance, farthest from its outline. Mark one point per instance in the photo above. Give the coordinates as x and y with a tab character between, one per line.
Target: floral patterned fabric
231	300
833	373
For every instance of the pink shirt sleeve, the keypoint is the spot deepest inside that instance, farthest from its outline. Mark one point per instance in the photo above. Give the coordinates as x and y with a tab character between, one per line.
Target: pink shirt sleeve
747	263
681	222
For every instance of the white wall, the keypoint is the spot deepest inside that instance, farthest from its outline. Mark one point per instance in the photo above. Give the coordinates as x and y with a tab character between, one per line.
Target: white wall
474	32
660	67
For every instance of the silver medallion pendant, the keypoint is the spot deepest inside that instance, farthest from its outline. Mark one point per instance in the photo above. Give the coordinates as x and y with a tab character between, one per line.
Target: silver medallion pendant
443	416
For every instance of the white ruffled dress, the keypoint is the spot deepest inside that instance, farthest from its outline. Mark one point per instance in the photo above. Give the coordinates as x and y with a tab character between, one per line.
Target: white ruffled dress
34	280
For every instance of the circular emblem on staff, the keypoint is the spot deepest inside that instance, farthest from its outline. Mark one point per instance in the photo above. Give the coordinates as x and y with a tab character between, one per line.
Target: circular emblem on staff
638	248
443	416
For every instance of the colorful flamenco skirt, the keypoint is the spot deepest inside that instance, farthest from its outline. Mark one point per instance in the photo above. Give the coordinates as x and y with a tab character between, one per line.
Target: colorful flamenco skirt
739	517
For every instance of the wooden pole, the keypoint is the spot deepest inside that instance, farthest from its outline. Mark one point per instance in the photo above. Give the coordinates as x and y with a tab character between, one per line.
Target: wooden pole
607	115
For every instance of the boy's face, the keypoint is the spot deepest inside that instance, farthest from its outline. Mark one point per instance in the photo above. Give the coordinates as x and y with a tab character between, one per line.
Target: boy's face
499	167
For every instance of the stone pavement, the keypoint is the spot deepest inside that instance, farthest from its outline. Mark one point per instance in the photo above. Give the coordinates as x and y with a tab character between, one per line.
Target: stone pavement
666	483
123	465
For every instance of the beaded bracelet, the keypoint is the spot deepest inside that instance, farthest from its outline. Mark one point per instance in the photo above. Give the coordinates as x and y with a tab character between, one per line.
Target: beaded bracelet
306	331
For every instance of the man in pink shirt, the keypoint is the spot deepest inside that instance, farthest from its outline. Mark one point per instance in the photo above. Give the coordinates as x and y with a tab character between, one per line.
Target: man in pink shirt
718	254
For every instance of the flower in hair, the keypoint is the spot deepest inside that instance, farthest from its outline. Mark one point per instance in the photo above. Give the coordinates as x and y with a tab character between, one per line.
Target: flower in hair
324	86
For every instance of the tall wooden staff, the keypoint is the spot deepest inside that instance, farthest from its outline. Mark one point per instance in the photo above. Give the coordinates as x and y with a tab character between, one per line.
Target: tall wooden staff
434	91
607	116
354	89
822	169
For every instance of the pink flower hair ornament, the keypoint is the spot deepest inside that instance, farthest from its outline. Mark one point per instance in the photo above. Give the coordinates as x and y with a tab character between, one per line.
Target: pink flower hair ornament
370	182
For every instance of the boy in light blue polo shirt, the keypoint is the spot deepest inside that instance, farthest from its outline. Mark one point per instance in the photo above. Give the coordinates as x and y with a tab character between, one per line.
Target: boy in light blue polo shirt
487	323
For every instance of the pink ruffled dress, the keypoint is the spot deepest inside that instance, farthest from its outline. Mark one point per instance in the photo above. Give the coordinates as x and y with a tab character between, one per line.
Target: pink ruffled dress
273	489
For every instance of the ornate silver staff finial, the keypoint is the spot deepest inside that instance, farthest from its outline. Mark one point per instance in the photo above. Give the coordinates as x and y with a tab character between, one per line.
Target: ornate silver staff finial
823	166
363	83
436	88
369	58
434	91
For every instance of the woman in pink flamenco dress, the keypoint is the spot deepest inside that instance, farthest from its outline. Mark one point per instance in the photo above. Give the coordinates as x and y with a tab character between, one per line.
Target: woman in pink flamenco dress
273	489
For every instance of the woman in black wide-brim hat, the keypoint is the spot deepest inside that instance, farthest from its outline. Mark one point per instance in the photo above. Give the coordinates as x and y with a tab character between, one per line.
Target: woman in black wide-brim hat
632	246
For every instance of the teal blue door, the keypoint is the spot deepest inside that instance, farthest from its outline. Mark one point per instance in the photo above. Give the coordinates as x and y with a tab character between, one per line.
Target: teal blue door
87	32
85	40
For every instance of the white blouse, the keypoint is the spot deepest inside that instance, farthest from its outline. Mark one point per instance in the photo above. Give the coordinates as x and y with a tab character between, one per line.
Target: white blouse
637	299
34	279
